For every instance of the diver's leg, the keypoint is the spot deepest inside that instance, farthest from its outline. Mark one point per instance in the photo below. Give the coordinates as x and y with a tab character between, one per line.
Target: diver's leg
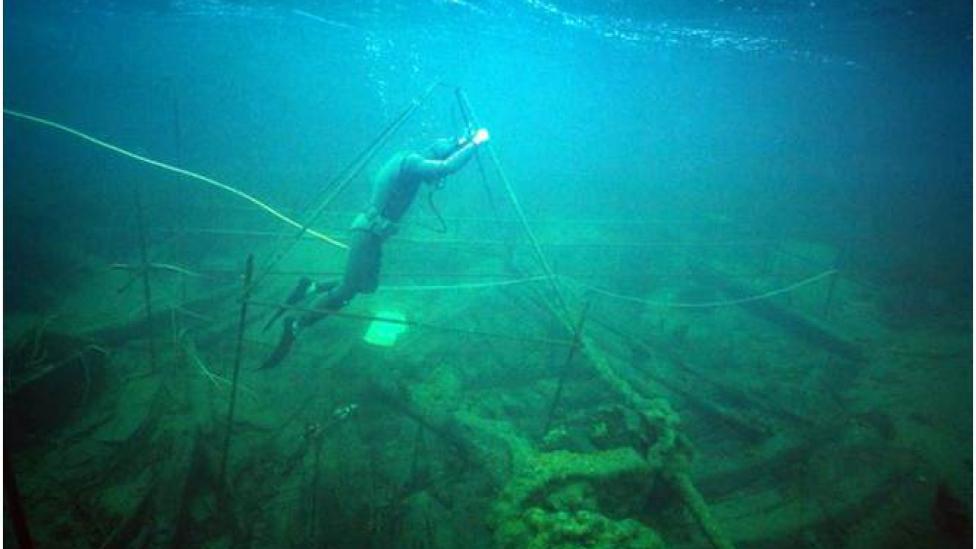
361	266
361	270
334	300
293	325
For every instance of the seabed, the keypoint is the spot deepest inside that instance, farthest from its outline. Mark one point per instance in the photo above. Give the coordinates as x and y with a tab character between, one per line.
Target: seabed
697	407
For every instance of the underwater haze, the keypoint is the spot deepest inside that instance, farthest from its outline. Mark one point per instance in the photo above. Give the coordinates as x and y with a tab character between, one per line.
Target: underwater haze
706	281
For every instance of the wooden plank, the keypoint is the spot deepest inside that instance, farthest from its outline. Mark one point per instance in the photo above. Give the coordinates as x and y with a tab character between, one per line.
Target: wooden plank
798	325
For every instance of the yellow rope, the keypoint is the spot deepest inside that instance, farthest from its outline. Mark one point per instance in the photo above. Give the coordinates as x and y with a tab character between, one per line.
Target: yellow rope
174	169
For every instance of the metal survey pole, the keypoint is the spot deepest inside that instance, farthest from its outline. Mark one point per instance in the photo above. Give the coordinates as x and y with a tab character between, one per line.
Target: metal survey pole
146	290
248	272
567	365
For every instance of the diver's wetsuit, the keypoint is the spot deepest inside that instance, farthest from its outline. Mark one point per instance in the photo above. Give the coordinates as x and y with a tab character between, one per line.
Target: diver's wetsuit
394	189
396	185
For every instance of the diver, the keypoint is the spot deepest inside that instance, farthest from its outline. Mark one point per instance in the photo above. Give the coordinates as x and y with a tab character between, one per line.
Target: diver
394	188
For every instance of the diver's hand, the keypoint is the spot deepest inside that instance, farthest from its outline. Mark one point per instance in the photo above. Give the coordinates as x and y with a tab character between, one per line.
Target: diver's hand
480	137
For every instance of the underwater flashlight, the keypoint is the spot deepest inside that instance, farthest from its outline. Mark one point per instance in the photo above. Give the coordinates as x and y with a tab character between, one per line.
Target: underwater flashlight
480	136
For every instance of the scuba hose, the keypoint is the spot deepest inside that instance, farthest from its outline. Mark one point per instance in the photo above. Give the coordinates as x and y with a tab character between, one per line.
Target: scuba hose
460	116
456	112
433	207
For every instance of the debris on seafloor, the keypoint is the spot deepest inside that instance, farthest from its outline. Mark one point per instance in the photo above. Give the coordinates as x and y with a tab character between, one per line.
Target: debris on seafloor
951	517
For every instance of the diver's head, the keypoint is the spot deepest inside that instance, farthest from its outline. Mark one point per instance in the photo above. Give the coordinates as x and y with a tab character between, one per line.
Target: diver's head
442	148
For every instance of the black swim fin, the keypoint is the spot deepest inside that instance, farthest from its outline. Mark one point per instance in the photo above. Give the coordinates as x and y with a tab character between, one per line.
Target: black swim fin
301	290
287	341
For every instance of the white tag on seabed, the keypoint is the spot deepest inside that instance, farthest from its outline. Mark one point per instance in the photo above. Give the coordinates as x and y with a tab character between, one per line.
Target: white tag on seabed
384	333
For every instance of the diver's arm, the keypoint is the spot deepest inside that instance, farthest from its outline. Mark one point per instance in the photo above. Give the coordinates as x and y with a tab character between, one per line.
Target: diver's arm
435	169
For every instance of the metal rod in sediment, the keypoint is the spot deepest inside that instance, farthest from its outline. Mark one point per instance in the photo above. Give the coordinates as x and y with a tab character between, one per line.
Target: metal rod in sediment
181	213
567	365
146	289
562	309
829	296
248	272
